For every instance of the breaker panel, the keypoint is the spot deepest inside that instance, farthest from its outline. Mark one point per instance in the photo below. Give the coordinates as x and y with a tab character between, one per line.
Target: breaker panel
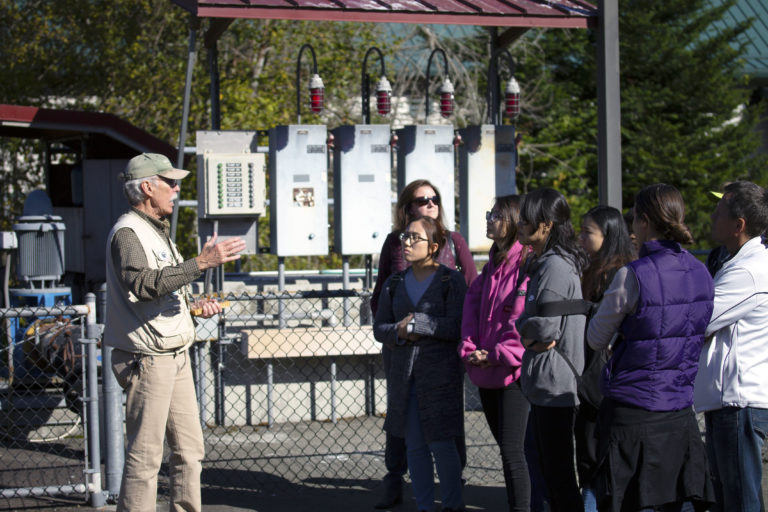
487	162
234	184
298	190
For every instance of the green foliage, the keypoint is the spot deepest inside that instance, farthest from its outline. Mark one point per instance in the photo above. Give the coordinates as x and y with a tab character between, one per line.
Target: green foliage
128	57
686	117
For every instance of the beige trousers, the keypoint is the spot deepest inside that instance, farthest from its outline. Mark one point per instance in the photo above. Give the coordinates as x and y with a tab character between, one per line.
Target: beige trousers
160	403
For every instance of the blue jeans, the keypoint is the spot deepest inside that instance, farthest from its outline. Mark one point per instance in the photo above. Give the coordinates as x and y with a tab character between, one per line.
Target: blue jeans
420	465
734	443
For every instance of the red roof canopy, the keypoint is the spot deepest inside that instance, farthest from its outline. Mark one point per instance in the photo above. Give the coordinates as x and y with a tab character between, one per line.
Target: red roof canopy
496	13
108	136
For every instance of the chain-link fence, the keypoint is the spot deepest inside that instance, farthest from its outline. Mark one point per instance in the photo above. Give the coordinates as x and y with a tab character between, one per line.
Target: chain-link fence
292	391
290	385
42	432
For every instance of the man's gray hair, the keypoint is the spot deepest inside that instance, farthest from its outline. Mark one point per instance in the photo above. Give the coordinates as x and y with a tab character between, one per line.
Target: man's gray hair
133	192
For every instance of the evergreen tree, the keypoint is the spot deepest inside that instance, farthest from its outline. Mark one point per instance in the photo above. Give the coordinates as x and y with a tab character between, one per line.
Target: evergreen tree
686	118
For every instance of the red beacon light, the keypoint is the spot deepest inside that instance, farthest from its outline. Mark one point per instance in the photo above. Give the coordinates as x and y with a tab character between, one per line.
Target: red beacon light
512	98
446	98
383	97
316	94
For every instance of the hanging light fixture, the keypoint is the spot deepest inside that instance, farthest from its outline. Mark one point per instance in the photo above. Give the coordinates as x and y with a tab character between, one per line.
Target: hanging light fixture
512	98
383	96
316	94
446	98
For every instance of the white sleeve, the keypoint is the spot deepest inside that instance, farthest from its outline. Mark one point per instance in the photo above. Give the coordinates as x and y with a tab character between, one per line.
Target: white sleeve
736	295
619	300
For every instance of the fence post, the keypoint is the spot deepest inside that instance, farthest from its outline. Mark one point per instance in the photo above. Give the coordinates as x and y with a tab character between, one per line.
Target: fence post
98	497
113	410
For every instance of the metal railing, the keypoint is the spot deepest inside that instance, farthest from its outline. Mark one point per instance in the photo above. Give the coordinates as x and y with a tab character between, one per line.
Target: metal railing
291	392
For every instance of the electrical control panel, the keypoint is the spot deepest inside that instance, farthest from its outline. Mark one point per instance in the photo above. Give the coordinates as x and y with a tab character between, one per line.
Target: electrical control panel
487	162
426	152
234	184
298	190
362	179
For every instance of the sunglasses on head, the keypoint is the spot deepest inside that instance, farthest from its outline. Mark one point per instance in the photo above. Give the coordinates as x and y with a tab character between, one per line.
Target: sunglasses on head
424	201
171	183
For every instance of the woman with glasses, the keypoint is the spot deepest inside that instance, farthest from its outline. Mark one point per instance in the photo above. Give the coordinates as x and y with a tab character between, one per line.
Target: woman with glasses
553	339
650	449
419	320
491	347
418	199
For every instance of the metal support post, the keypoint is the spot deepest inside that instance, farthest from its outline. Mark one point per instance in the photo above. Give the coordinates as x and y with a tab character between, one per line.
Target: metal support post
608	105
347	318
270	397
97	496
281	290
334	418
191	59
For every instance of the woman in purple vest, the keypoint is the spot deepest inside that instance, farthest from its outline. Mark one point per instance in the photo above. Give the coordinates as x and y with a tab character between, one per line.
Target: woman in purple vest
650	449
420	198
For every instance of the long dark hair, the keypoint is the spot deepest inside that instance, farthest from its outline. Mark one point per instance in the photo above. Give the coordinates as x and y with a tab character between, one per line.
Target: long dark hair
615	252
662	206
549	205
403	215
509	209
436	233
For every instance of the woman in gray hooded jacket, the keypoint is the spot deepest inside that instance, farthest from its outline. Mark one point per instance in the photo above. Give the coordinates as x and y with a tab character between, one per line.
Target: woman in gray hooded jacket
554	344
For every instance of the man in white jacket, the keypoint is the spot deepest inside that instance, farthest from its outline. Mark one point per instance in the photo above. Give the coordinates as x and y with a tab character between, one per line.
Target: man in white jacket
732	382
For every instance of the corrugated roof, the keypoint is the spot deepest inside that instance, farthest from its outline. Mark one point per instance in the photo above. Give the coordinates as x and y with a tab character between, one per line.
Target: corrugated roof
108	135
756	38
499	13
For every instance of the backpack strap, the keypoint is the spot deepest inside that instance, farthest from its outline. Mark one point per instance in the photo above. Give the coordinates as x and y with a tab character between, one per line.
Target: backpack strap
394	282
565	308
452	247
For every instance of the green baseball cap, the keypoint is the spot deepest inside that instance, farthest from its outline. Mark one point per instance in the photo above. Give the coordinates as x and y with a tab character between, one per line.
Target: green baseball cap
718	195
152	164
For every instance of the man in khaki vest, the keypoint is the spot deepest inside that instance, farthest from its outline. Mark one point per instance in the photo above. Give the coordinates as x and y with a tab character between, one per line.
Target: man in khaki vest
149	324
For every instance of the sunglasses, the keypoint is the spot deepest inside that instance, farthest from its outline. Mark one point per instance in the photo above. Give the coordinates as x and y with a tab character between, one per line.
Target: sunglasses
424	201
168	181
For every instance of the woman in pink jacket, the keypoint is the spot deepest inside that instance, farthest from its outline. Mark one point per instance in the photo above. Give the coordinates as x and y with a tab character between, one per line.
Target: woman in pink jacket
491	347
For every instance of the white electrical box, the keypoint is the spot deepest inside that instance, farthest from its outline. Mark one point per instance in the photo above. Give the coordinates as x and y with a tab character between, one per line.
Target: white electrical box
487	162
362	176
8	241
234	184
298	190
426	152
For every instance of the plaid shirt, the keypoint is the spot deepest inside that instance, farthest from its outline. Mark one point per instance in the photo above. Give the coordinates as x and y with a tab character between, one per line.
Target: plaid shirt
131	261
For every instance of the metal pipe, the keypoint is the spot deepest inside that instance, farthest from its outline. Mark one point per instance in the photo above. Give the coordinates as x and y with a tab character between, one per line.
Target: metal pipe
365	85
191	59
426	89
114	458
270	399
334	419
306	46
97	495
51	490
281	287
112	394
74	310
6	279
493	98
346	304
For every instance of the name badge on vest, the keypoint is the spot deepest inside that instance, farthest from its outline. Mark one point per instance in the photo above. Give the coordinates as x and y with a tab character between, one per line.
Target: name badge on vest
162	255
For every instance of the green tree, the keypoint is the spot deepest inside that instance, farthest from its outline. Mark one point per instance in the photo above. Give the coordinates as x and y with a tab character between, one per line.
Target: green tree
128	57
686	115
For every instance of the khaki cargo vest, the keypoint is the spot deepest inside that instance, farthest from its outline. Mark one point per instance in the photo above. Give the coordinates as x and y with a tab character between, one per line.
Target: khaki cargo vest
160	326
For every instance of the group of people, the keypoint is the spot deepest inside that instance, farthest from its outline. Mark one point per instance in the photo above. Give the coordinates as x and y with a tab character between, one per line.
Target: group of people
602	346
600	349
